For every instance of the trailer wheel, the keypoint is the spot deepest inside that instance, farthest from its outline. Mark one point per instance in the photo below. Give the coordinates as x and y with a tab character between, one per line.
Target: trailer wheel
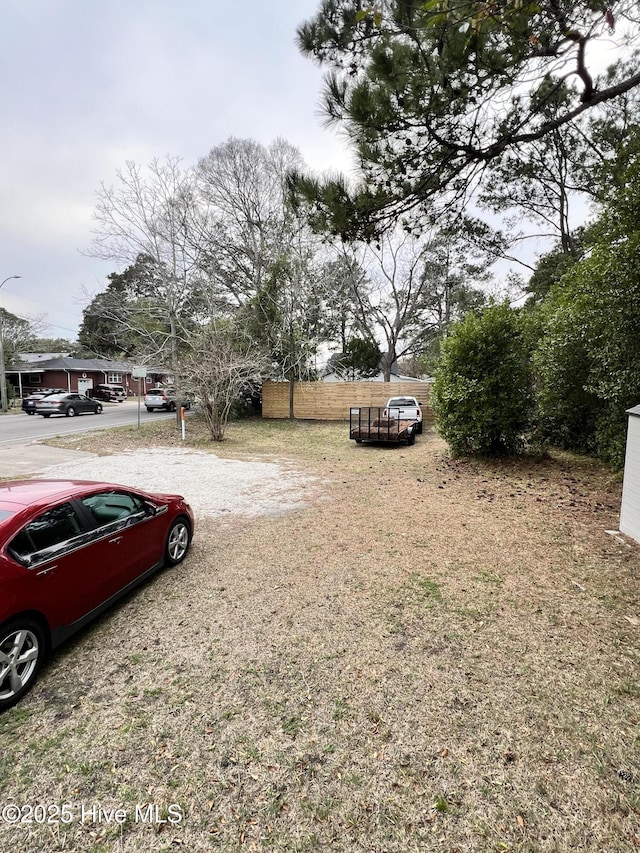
411	439
358	441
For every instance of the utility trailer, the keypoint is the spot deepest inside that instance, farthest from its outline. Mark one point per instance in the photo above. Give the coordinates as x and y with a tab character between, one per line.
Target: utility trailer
370	423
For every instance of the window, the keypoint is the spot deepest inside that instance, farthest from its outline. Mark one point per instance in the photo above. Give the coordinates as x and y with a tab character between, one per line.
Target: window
402	401
46	536
34	379
107	507
114	378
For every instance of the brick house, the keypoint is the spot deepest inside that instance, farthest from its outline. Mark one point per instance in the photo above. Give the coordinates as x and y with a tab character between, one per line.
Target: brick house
79	375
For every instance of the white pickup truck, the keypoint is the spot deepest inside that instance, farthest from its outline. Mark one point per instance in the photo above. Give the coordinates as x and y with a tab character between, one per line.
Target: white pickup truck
404	409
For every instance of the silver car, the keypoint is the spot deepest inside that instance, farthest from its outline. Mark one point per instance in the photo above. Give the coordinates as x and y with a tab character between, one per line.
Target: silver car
165	399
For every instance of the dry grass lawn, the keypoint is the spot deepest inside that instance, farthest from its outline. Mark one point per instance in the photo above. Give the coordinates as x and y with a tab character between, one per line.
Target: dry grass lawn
438	655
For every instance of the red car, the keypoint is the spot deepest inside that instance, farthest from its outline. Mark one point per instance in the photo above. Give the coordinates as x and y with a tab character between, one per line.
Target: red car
68	550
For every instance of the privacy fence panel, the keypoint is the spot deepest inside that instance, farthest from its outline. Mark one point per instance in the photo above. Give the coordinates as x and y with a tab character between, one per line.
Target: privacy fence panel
331	401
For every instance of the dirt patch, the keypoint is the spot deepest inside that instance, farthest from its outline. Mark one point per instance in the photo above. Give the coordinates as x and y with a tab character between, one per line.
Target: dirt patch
214	487
440	656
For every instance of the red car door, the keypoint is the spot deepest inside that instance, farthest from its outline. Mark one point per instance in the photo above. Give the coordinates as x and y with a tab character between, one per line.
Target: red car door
68	570
132	538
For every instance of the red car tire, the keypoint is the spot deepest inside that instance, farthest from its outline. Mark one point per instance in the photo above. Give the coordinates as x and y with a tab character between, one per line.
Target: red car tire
22	650
178	541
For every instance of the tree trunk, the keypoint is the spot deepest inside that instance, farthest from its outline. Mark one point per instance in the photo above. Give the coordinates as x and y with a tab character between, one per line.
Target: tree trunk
292	385
387	363
292	372
173	331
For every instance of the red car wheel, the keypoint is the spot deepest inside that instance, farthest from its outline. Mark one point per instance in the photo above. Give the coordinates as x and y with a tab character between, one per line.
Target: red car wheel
22	649
178	541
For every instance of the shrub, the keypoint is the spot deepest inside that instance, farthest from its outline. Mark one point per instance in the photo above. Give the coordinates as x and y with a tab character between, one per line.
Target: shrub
567	409
587	364
482	395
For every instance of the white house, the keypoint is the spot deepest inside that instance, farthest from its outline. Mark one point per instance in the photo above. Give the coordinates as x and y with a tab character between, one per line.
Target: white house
331	374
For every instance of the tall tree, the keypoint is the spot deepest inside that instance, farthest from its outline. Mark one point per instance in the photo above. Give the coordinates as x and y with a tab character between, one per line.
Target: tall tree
17	334
262	262
540	182
549	181
124	320
342	275
412	289
430	92
587	362
286	317
152	213
611	136
248	222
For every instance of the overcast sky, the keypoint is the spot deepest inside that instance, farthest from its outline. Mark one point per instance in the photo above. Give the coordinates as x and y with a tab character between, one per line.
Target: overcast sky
88	85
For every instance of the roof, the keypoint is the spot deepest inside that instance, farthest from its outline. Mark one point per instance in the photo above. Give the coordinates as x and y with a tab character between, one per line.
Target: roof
65	363
634	412
379	377
84	365
33	357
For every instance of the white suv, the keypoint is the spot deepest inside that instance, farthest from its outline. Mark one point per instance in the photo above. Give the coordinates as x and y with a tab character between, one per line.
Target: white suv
163	398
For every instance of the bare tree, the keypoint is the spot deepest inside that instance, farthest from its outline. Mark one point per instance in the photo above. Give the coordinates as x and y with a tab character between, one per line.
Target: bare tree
262	262
152	213
288	315
247	223
245	215
223	364
410	289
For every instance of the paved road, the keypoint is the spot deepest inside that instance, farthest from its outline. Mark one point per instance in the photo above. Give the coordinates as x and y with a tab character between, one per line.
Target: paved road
20	435
20	428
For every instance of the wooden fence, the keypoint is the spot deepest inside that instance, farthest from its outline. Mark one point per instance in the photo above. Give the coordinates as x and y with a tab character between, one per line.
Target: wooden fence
331	401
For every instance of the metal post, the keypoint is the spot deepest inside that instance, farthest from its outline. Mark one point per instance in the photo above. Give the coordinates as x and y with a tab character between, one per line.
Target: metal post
3	377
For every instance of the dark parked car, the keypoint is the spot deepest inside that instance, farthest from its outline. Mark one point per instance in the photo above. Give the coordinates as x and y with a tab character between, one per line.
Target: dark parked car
69	549
109	393
67	404
29	402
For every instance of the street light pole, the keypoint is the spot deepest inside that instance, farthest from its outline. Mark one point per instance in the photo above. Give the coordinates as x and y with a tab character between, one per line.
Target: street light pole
3	378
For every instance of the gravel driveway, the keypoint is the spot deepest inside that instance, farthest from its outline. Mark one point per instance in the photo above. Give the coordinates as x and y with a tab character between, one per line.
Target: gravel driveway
213	486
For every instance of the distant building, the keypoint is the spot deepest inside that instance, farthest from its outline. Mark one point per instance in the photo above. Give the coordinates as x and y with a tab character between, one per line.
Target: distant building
330	376
79	375
331	373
